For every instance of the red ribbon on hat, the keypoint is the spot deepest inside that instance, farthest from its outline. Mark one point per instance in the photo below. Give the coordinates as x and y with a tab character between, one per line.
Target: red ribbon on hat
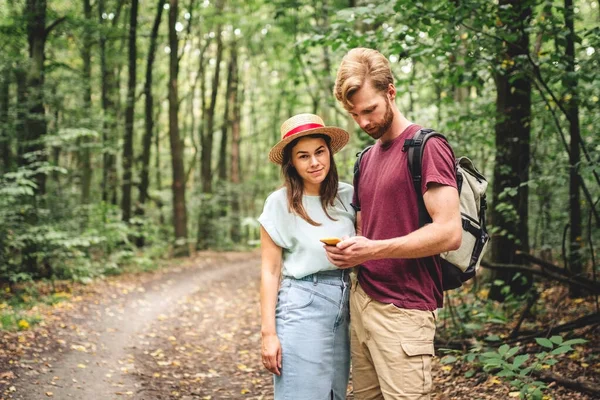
302	128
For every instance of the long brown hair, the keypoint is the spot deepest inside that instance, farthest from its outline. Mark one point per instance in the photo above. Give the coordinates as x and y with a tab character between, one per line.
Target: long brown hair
295	185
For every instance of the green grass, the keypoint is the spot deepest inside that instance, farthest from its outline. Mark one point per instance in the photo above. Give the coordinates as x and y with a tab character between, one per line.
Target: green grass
11	320
15	307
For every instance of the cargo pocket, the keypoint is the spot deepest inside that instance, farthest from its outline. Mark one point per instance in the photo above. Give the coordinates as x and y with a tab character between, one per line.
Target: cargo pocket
417	366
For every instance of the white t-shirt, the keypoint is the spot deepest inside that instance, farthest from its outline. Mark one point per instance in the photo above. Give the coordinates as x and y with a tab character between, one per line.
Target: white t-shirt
303	253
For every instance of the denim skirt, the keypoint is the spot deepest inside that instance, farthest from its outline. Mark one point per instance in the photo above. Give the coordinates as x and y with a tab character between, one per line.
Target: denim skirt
312	321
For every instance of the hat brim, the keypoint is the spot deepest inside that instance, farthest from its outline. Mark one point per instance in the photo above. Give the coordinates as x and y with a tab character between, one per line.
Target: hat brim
339	138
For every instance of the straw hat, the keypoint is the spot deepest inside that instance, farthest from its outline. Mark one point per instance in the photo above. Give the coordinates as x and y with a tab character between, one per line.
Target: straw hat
307	124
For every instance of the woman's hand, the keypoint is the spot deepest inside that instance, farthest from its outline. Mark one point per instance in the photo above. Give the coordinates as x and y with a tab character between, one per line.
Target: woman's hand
271	353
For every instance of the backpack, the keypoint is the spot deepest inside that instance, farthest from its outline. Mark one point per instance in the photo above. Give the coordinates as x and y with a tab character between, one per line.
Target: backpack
459	265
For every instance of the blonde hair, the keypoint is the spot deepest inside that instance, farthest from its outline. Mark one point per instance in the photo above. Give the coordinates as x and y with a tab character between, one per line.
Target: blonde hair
357	67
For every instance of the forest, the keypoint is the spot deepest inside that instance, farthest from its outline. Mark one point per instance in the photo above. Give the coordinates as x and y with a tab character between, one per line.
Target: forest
137	132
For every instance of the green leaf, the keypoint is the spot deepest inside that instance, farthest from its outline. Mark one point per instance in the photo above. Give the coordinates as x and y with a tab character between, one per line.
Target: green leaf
525	371
561	350
544	342
469	373
473	326
519	360
448	360
537	394
491	354
492	338
503	349
493	362
556	339
574	341
511	352
505	373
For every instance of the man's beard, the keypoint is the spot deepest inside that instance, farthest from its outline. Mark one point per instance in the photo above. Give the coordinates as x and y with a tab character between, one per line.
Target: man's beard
379	130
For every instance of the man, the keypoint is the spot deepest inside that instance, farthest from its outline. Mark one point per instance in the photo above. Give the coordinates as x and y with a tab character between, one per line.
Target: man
394	306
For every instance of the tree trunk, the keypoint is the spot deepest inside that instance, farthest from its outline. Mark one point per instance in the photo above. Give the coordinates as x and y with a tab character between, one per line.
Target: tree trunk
129	116
226	117
5	135
513	108
86	55
572	107
205	219
202	78
179	209
224	191
157	163
56	150
109	100
194	167
20	77
105	104
35	120
207	138
235	173
328	80
149	118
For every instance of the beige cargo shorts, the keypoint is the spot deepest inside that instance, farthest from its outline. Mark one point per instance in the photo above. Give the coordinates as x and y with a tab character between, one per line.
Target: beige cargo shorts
392	349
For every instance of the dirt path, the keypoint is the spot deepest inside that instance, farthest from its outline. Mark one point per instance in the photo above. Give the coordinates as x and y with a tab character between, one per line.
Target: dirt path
106	353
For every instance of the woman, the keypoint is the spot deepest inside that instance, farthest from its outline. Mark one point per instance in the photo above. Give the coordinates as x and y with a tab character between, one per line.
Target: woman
305	340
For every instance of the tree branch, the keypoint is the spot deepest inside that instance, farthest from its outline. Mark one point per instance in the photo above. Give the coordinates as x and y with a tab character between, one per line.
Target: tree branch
542	263
52	26
592	319
532	300
584	387
557	276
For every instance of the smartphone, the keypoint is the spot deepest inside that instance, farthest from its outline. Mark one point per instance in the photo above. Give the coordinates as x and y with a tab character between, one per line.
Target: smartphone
331	241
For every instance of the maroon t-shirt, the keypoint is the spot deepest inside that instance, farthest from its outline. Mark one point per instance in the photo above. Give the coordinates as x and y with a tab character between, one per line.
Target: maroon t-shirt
389	209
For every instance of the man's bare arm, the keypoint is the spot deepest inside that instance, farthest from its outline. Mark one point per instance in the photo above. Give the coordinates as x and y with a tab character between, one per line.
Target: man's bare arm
443	234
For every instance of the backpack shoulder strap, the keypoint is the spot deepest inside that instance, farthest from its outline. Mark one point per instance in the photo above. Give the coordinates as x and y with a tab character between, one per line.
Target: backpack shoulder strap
415	148
359	156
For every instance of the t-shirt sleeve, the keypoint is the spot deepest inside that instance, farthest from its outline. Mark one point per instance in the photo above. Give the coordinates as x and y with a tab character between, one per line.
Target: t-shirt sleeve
438	164
347	196
274	218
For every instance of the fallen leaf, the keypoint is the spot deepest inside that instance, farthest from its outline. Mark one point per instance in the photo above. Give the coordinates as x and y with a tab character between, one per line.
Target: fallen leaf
79	347
7	375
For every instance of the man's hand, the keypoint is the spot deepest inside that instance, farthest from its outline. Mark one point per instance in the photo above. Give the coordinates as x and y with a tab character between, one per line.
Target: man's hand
351	252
